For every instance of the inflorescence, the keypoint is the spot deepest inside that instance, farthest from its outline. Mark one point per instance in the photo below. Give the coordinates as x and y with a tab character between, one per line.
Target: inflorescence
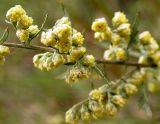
66	47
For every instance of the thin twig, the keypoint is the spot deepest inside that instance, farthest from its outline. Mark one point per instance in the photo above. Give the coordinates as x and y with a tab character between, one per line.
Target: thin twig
129	63
98	61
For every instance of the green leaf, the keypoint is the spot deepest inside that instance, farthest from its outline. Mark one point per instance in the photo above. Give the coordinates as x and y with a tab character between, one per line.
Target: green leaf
4	36
143	101
40	30
135	31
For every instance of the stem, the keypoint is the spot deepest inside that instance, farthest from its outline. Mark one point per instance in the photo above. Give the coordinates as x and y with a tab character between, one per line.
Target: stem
129	63
102	75
98	61
80	103
114	85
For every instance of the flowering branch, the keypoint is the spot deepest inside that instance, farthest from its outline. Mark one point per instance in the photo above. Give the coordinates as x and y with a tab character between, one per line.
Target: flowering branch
98	61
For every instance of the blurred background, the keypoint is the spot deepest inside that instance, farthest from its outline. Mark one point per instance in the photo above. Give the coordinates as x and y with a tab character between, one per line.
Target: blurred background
30	96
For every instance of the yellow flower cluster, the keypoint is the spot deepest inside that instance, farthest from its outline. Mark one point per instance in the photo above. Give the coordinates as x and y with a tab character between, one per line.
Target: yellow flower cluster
138	77
149	48
62	36
102	30
76	74
102	101
67	40
119	36
115	53
48	61
23	23
76	53
3	52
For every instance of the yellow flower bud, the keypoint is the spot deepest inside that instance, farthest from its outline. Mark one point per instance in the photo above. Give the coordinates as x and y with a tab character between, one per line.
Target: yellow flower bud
77	39
109	55
76	74
15	13
156	58
63	20
33	29
23	35
96	95
76	53
96	109
89	60
145	37
25	22
130	89
64	45
4	50
121	54
111	109
119	100
71	116
85	113
63	31
48	38
106	35
153	86
138	77
124	30
116	39
98	36
119	18
99	25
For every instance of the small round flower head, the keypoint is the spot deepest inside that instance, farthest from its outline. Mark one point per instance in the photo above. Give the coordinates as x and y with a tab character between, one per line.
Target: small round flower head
145	37
25	22
48	61
118	100
64	45
152	47
48	38
77	39
63	20
109	55
15	13
98	36
116	39
119	18
124	30
36	59
57	60
121	54
106	35
76	53
63	31
130	89
111	109
99	25
153	86
76	74
2	59
33	29
23	35
97	95
89	60
156	58
85	113
4	50
71	116
96	109
138	77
